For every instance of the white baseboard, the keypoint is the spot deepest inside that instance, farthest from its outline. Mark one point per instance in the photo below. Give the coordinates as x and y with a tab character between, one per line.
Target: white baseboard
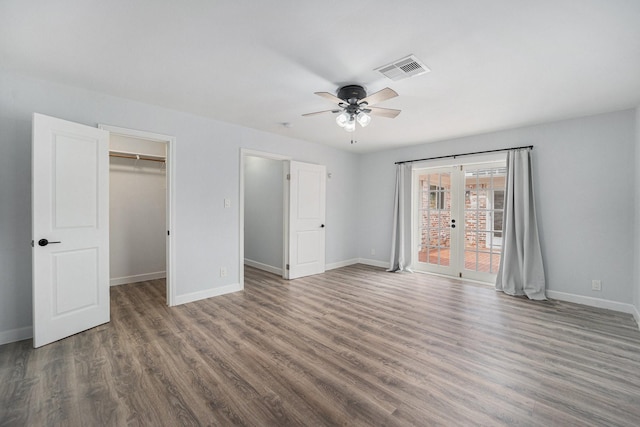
264	267
137	278
341	264
373	262
14	335
595	302
196	296
332	266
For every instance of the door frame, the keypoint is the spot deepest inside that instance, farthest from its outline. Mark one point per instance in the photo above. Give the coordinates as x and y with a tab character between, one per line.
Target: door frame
440	164
244	153
170	141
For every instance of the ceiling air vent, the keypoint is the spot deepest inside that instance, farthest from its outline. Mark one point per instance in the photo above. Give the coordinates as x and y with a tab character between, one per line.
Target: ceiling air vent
403	68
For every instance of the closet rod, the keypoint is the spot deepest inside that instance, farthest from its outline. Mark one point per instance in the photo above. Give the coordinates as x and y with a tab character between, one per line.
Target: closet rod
137	157
465	154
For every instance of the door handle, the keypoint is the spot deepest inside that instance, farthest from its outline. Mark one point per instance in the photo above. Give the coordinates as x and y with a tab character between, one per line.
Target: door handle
45	242
321	225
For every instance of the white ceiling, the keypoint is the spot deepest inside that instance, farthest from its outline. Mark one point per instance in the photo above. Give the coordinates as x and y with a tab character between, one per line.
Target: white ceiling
495	64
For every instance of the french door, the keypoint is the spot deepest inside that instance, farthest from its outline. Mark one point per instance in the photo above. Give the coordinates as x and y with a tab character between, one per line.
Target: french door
457	219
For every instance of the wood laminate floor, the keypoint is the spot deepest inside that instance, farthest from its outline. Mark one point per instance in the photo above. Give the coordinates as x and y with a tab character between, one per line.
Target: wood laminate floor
354	346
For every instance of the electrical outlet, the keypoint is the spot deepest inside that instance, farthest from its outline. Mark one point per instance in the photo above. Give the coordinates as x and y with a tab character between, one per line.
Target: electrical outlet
373	251
223	271
596	285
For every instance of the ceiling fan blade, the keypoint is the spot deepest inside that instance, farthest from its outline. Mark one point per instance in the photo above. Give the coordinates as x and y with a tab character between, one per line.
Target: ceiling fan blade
330	97
321	112
379	96
383	112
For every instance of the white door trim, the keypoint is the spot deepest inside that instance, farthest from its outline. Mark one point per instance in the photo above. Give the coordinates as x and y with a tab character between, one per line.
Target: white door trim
244	152
171	193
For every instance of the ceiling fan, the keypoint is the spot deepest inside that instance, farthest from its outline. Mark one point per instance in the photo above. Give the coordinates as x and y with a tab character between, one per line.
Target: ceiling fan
355	105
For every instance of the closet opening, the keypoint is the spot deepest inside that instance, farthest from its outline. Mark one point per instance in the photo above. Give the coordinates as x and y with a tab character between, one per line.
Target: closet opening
139	208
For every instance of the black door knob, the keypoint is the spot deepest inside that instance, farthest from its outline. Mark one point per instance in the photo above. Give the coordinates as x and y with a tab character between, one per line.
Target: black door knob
322	226
45	242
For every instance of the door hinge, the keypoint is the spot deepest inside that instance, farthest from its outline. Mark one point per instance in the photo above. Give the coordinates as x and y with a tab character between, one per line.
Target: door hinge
287	266
460	274
32	243
460	167
168	233
288	177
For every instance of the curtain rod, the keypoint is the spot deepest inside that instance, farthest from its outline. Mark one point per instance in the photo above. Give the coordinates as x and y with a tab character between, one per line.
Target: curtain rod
464	154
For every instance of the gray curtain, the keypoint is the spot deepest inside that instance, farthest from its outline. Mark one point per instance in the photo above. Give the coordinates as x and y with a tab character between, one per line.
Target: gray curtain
521	271
399	260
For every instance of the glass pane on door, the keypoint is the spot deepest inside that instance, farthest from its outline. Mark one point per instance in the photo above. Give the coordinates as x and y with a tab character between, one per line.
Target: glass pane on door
434	212
483	211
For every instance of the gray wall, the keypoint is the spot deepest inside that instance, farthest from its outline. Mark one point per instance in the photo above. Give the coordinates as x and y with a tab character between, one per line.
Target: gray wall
263	211
584	172
206	235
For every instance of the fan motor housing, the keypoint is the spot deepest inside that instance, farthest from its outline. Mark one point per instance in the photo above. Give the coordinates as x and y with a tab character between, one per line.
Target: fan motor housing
352	92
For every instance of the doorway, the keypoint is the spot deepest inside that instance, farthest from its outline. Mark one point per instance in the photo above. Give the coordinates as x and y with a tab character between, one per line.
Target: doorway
262	197
264	213
299	207
140	207
457	219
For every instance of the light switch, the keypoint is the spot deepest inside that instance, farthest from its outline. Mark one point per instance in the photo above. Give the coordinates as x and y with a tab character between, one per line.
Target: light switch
227	203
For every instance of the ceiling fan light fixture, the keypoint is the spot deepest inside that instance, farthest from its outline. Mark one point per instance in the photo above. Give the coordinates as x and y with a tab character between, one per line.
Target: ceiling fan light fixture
342	119
355	106
351	125
363	118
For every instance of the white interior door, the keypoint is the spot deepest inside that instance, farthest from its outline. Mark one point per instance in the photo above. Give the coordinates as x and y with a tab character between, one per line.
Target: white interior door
306	241
70	208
